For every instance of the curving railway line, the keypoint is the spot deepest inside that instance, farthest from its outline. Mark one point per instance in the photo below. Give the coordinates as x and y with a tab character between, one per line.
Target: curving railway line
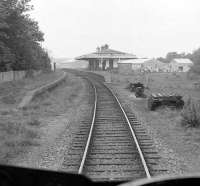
107	147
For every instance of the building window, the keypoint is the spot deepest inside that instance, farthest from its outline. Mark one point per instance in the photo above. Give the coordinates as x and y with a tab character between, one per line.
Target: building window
180	69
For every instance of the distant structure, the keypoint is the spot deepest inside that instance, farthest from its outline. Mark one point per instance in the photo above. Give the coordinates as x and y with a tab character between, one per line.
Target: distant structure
180	65
105	58
142	65
154	65
130	65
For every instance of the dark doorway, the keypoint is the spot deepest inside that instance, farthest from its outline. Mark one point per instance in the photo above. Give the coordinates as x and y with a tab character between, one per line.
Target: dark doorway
104	65
110	63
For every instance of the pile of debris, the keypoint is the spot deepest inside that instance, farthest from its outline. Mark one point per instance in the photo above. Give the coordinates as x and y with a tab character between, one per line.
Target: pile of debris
137	88
165	99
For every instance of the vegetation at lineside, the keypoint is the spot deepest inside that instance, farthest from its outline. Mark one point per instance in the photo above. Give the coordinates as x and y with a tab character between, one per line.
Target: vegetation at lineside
190	114
20	38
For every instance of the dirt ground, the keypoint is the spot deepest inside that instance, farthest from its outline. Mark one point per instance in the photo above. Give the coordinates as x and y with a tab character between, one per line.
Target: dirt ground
17	130
39	135
180	146
56	117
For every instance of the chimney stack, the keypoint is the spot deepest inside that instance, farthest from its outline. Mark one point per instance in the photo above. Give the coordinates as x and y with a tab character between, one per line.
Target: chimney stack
98	49
106	46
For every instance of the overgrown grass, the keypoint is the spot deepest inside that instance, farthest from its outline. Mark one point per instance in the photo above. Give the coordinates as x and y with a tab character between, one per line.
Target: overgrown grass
8	99
191	114
59	100
16	136
20	130
34	122
12	92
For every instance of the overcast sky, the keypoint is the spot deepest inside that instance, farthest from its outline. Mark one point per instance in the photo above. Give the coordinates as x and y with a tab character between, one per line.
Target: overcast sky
146	28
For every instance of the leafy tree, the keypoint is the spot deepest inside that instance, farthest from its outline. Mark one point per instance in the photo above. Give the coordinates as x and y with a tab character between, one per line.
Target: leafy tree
20	37
5	54
195	57
172	55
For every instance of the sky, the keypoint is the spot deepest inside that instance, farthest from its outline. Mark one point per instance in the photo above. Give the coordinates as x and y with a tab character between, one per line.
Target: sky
146	28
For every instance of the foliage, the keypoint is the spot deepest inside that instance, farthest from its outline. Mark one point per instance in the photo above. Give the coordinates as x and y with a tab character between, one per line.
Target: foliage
195	57
20	38
172	55
190	114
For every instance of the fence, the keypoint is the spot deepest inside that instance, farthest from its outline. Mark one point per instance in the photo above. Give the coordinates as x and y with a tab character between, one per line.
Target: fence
14	75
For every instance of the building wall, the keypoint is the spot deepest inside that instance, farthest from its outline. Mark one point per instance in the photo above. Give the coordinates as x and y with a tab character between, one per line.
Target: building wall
102	64
124	68
155	66
151	66
179	67
136	66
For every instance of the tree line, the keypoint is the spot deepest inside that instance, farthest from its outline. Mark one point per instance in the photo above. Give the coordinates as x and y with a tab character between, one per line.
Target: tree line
20	38
194	56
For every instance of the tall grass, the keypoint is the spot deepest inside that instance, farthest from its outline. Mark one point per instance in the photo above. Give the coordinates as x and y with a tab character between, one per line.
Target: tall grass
191	114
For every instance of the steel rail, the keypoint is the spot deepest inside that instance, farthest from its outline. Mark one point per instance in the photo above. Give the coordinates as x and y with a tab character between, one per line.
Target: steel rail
90	133
133	134
130	127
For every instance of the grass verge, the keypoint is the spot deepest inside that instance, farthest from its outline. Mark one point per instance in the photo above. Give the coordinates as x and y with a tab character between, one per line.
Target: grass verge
190	114
20	130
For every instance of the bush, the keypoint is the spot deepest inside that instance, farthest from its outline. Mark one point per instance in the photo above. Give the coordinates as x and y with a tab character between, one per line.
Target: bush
190	114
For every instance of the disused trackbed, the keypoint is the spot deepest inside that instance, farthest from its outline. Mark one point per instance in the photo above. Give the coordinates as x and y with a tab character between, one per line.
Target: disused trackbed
106	147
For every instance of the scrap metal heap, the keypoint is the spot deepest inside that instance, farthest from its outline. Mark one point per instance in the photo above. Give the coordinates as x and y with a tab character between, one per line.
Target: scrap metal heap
137	88
165	99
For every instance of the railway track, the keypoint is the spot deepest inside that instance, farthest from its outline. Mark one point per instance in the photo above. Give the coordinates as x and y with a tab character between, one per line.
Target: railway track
106	147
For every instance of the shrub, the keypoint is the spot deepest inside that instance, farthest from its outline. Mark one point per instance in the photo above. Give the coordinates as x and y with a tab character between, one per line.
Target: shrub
190	114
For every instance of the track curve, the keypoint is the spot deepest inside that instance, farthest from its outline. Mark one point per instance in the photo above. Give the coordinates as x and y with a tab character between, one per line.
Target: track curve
113	152
107	148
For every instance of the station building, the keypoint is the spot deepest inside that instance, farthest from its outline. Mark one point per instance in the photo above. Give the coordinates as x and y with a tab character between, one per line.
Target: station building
105	58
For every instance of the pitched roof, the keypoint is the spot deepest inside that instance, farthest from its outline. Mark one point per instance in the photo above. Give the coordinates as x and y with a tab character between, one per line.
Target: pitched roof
153	61
183	60
107	53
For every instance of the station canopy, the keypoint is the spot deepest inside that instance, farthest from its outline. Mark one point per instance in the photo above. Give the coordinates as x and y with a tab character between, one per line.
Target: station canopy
105	52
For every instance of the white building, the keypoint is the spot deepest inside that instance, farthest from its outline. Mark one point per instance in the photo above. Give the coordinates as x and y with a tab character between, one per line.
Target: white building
128	66
154	65
105	58
180	65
